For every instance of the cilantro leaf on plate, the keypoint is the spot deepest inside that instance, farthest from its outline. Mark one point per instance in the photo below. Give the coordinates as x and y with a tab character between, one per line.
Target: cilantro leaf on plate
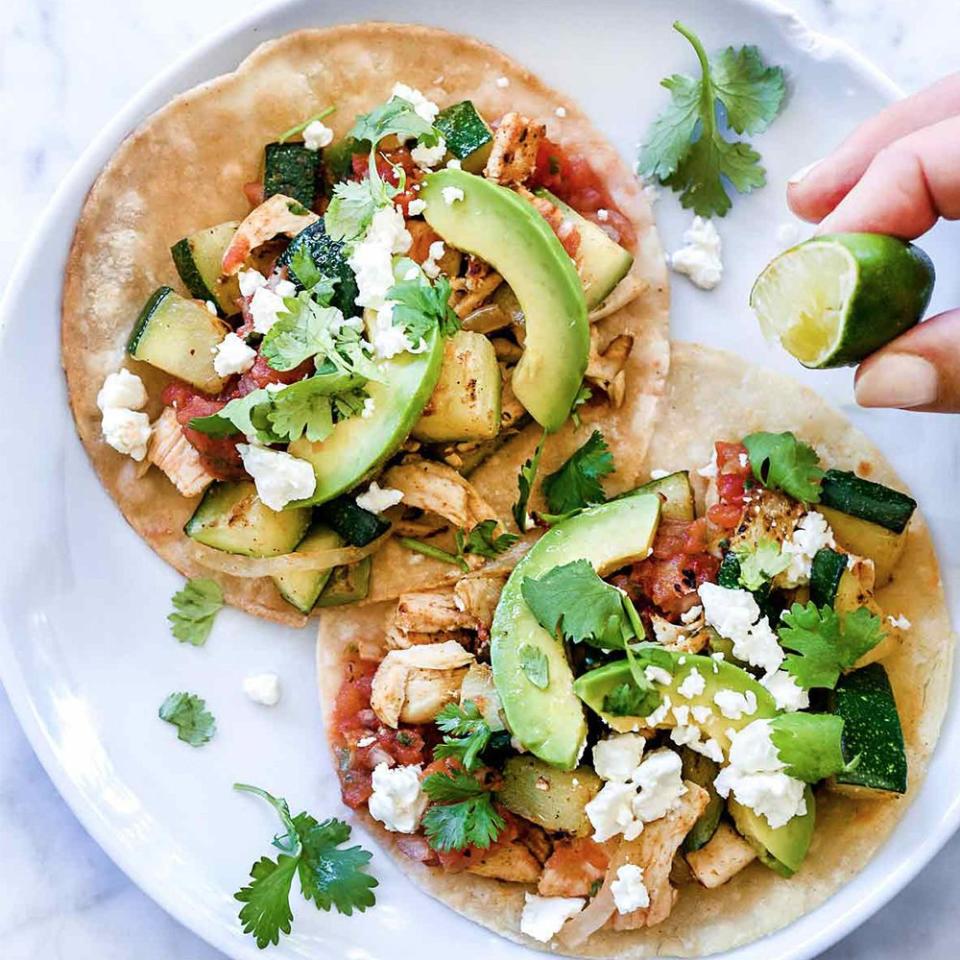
266	912
577	483
825	642
685	147
467	733
188	713
196	607
759	562
463	813
525	481
573	599
351	209
534	664
420	307
782	462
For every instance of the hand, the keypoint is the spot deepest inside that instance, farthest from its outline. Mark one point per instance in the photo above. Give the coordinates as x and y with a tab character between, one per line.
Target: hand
898	173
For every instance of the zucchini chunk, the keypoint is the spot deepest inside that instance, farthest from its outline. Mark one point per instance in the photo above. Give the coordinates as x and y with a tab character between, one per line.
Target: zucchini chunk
865	539
349	583
291	169
871	732
352	523
469	139
677	495
465	404
301	588
230	517
873	502
197	259
826	572
178	336
702	771
559	805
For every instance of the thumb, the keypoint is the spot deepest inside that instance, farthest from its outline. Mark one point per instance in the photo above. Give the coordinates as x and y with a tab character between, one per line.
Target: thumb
920	370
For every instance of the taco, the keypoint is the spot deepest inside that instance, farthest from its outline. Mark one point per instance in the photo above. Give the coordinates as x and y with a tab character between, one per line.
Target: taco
281	356
687	716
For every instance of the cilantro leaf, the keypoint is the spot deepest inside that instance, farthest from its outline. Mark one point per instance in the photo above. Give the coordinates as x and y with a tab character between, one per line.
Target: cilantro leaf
266	912
534	664
396	117
577	483
472	820
452	787
631	699
573	599
419	308
583	396
197	605
484	541
304	268
759	562
809	744
685	148
470	733
782	462
525	481
311	407
825	642
351	209
246	415
188	713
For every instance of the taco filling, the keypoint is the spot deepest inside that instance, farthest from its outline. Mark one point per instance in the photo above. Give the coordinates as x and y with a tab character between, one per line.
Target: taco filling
672	676
396	304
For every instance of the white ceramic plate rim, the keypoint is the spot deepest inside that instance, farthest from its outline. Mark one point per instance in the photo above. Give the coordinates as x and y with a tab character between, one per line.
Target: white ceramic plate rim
167	84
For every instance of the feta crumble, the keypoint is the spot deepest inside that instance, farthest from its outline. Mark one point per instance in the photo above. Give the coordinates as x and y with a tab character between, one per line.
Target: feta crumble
372	258
122	389
503	83
127	431
734	705
429	157
658	675
611	812
693	685
811	534
701	713
431	267
232	355
561	112
700	256
376	499
629	891
317	135
369	406
787	693
250	281
279	477
543	917
617	758
734	614
263	688
900	622
398	800
415	207
266	305
603	215
659	474
454	164
424	108
451	195
660	784
211	307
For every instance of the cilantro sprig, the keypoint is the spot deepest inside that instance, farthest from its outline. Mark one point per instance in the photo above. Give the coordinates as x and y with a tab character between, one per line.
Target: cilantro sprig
782	462
525	481
483	540
686	148
420	307
577	483
195	608
188	713
463	813
466	733
330	875
759	562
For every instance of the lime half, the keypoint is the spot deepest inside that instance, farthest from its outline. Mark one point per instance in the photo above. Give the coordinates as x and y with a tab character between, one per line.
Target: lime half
833	300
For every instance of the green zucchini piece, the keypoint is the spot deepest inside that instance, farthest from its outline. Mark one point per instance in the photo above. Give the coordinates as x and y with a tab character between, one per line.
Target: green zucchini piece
469	138
330	258
702	771
872	735
826	571
349	583
302	587
728	576
291	169
230	517
178	336
352	523
197	259
865	539
677	496
873	502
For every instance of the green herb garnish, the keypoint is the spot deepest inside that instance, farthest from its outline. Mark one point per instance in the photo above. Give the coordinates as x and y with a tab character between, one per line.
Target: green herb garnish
196	607
188	713
577	483
782	462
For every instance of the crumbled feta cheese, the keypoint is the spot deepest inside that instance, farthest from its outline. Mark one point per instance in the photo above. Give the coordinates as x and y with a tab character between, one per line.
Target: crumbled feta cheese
233	356
388	338
681	715
618	757
454	164
561	112
211	307
415	208
900	622
667	634
811	534
693	685
127	431
250	281
279	477
709	748
424	108
366	741
755	777
709	470
372	258
429	157
699	257
692	615
263	688
376	499
398	800
718	656
658	674
265	308
701	713
451	195
317	135
787	693
603	215
651	192
659	474
660	783
122	389
611	812
734	614
430	266
543	917
503	83
734	705
629	892
660	714
369	405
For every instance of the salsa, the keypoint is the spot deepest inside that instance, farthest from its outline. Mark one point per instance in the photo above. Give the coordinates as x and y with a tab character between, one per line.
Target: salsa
733	471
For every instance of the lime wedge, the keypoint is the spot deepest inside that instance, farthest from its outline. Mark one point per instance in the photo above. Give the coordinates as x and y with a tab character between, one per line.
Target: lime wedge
833	300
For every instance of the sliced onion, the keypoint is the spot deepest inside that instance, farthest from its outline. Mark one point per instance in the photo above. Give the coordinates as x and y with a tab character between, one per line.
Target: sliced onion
592	917
253	567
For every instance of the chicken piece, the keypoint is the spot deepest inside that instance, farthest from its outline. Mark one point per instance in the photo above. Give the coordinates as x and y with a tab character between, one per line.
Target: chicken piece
724	855
470	294
654	851
512	411
278	216
574	869
512	862
438	488
688	638
478	687
538	842
478	596
422	618
564	226
516	142
606	368
413	685
171	451
768	515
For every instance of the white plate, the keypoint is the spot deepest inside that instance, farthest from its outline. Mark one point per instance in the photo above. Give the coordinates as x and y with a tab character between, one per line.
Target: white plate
84	647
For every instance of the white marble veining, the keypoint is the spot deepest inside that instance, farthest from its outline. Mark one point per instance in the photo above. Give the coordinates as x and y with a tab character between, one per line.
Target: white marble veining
65	68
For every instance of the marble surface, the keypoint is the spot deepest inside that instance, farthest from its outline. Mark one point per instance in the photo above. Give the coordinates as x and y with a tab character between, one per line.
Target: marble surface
65	68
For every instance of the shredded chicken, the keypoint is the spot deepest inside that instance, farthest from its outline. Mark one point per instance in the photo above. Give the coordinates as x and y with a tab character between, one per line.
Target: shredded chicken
413	685
724	855
513	862
426	618
565	227
438	488
478	687
688	638
512	411
538	842
478	596
605	368
513	157
467	300
171	451
278	216
574	868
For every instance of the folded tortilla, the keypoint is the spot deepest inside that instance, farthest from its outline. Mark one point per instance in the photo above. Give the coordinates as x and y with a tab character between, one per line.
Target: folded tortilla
713	395
184	169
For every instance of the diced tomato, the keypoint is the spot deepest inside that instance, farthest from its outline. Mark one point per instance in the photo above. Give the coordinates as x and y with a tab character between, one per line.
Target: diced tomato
680	536
733	470
573	868
387	163
261	373
253	191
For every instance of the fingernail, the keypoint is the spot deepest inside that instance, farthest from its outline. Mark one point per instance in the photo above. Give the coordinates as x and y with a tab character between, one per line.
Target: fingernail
795	178
897	380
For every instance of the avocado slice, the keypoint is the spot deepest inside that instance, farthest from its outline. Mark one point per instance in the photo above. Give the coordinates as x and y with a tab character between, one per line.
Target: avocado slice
500	227
358	446
550	722
782	849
